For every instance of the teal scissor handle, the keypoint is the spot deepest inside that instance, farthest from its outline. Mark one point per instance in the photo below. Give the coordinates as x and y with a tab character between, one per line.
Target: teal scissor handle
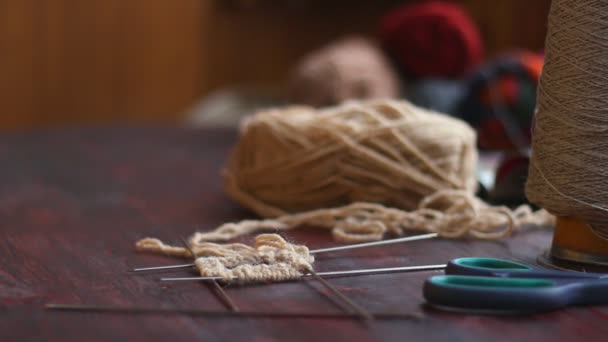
492	267
513	294
496	284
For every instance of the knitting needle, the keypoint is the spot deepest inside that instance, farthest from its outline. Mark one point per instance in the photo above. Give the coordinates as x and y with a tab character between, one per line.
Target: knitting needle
341	273
375	243
366	316
322	250
228	314
218	289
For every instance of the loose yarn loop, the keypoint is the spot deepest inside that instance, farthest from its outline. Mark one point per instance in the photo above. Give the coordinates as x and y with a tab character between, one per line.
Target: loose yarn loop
567	170
271	259
361	221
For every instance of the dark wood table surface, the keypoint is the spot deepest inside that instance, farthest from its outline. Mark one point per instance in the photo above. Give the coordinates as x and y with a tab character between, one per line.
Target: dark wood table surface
73	201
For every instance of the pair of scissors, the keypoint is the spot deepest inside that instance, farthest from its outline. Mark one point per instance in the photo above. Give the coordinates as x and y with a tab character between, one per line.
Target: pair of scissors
502	285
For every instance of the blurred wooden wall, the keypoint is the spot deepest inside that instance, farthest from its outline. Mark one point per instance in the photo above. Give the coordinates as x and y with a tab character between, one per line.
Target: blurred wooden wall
74	61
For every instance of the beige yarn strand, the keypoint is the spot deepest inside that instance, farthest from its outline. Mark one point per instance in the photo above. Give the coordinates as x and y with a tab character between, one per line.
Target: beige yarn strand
360	222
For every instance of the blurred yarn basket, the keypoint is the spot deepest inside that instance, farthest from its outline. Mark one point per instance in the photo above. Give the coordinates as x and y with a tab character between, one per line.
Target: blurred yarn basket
351	68
432	39
499	101
441	95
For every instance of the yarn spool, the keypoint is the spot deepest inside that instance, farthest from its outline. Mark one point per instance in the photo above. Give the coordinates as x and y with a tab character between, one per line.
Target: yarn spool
569	150
432	39
351	68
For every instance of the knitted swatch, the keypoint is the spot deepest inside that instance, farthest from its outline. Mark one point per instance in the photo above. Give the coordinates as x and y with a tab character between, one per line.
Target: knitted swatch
271	259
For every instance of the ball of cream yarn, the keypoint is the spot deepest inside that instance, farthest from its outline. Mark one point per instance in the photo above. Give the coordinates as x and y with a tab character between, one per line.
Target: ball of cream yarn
298	158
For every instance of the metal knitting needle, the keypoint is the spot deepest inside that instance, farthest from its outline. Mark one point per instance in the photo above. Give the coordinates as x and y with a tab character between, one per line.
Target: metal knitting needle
340	273
219	291
363	314
375	243
225	314
322	250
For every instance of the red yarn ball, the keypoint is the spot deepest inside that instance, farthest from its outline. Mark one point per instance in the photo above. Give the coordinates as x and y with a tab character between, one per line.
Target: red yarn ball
432	39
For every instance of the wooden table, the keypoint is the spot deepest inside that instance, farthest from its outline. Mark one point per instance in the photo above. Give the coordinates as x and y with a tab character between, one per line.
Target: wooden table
72	203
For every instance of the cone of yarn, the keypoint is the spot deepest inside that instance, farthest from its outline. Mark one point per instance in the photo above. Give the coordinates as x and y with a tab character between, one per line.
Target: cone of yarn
569	162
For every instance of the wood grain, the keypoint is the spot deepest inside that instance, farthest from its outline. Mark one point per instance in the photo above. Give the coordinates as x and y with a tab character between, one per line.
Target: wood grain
74	62
72	203
17	63
81	62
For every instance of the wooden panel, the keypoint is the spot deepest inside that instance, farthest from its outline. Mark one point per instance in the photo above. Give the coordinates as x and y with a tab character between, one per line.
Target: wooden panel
261	45
74	61
77	59
162	57
53	63
93	32
18	42
71	61
510	24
